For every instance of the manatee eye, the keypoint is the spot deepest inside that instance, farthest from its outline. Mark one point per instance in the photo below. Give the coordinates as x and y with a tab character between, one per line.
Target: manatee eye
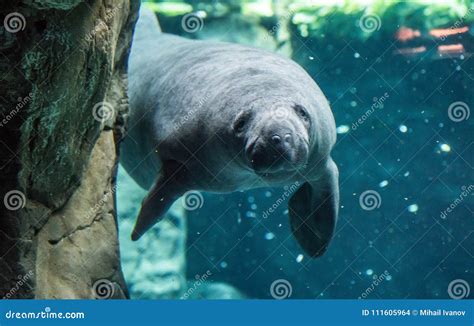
241	122
302	113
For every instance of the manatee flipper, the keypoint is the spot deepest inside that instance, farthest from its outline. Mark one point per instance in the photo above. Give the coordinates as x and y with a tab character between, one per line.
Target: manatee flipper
161	196
313	211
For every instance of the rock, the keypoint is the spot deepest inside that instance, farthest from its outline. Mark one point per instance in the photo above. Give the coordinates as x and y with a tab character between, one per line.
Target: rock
51	4
79	241
63	97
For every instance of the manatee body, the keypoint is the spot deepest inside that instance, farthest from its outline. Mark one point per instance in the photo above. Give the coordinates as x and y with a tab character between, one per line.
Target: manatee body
222	117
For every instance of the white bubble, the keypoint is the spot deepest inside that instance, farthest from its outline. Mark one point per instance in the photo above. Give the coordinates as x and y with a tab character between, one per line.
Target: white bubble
403	128
269	236
384	183
201	13
413	208
342	129
445	148
299	259
250	214
356	55
369	272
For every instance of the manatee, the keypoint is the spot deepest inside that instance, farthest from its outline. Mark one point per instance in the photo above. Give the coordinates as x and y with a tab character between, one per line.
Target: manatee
220	117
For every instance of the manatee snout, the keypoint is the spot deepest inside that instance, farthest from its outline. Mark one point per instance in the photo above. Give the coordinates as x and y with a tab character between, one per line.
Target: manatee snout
279	145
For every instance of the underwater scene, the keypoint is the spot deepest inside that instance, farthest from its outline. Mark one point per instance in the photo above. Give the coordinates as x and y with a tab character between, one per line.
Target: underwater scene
399	80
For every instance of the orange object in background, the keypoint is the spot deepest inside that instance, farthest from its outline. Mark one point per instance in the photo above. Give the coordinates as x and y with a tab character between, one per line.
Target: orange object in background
452	48
405	34
420	42
450	51
440	33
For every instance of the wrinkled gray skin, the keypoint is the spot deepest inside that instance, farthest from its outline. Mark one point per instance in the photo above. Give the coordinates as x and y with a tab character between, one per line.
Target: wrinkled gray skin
221	117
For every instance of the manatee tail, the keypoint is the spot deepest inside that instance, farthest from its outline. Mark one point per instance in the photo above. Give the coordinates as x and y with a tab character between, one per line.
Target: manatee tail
147	26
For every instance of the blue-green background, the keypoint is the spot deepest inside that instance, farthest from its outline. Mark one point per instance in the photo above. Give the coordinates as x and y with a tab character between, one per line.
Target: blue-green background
409	151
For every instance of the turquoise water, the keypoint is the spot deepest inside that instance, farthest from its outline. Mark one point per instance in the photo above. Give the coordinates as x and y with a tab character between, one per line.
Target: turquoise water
405	156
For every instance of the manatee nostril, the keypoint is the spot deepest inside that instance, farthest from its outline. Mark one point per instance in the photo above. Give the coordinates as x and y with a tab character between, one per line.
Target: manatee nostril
288	138
276	139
